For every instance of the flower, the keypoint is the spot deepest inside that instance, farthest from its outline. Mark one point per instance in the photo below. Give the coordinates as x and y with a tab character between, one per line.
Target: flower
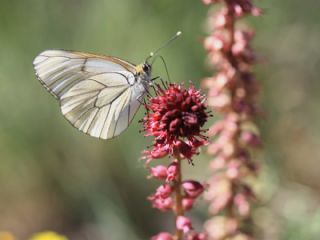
187	203
48	236
159	172
183	223
221	227
174	118
192	188
197	236
172	171
161	198
163	191
162	204
162	236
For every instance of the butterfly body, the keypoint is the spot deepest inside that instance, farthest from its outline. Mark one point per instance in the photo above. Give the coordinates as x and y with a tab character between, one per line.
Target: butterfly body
99	95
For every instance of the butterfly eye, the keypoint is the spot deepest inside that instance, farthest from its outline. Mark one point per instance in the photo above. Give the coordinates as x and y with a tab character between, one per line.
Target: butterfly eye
146	67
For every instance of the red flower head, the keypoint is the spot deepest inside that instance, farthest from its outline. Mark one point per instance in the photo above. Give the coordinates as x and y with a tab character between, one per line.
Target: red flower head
175	117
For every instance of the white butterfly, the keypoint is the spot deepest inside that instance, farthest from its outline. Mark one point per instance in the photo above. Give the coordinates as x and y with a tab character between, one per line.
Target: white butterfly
99	95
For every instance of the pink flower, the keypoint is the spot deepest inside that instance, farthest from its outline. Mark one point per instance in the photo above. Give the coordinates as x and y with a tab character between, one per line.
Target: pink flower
159	172
172	171
215	43
197	236
161	199
163	191
233	169
242	203
207	2
162	236
250	138
222	18
192	188
162	204
158	152
187	203
245	7
221	227
183	223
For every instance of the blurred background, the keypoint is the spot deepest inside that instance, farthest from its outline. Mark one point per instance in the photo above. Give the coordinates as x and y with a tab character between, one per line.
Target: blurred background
53	177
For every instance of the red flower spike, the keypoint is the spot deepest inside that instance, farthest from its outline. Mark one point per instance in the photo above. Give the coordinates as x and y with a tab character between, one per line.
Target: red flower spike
232	93
175	117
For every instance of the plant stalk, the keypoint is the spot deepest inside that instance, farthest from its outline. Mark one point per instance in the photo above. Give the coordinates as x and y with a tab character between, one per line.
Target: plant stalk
178	197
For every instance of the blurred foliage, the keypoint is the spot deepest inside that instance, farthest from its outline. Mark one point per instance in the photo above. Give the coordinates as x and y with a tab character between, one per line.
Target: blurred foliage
53	177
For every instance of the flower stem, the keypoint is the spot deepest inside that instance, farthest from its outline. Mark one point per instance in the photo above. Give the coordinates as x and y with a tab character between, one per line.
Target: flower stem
178	204
231	32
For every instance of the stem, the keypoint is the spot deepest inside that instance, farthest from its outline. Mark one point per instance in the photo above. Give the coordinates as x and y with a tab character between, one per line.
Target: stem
178	204
231	31
233	62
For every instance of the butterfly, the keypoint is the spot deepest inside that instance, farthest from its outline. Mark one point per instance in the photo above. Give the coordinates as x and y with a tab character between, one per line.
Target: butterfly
99	95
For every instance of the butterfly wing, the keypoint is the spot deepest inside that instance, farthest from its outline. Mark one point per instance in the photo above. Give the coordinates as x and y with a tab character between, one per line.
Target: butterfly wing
96	92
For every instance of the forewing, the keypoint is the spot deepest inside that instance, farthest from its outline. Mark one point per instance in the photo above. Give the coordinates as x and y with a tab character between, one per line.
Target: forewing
95	92
60	70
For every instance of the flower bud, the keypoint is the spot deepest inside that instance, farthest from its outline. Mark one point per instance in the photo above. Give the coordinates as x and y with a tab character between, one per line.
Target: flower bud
187	203
197	236
162	236
250	138
158	153
192	188
163	191
159	172
172	171
183	223
162	204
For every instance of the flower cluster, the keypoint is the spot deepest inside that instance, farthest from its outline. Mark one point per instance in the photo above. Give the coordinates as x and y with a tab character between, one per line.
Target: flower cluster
175	117
232	91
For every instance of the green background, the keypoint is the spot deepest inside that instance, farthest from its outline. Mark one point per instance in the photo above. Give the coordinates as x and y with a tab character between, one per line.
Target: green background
53	177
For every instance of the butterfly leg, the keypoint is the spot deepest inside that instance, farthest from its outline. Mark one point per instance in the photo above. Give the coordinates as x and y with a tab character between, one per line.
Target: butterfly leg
164	83
153	79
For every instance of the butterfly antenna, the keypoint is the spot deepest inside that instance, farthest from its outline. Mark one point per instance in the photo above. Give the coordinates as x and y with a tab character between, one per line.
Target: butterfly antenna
164	63
165	44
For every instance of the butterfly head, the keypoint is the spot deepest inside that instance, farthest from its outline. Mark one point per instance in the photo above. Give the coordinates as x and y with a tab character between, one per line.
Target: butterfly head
144	69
